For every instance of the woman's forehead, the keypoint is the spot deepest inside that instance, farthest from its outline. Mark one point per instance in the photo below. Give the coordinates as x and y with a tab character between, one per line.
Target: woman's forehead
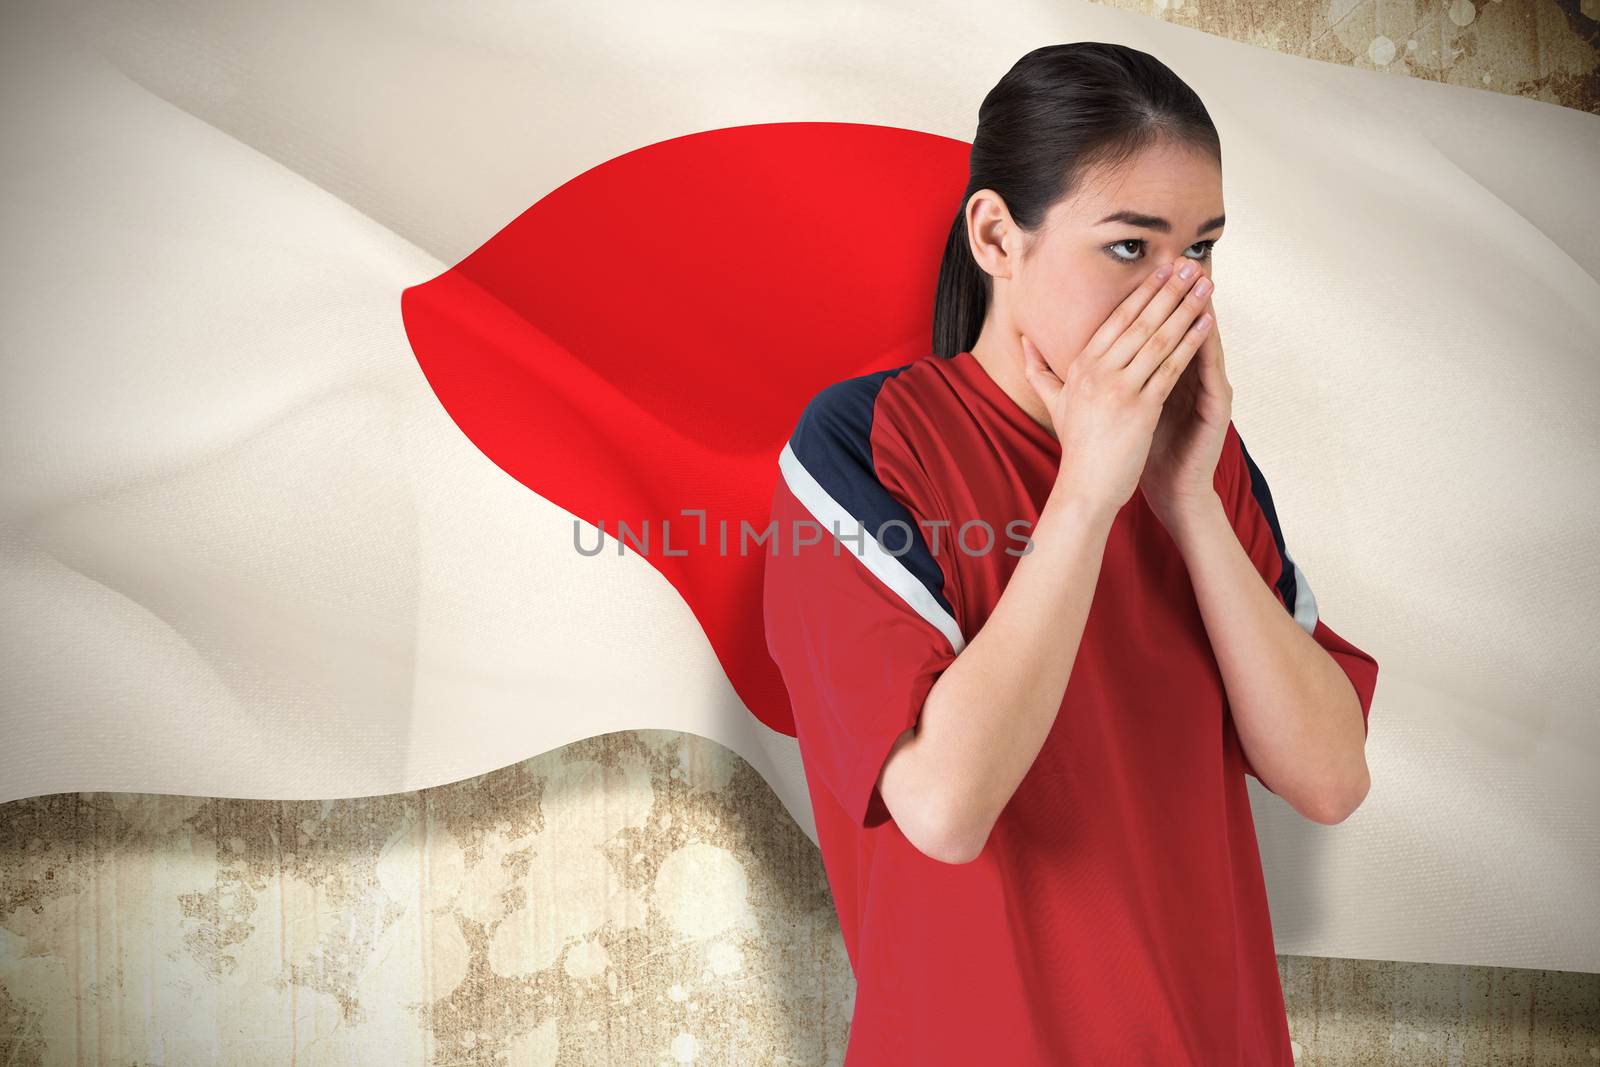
1183	188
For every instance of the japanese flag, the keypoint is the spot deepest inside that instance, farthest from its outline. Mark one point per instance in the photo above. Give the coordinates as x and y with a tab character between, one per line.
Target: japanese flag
335	334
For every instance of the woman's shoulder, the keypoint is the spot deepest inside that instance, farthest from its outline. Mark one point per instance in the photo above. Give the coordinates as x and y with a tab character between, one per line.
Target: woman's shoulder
860	445
864	418
853	458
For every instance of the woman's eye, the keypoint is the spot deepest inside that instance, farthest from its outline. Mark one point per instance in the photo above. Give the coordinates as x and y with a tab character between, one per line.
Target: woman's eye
1112	249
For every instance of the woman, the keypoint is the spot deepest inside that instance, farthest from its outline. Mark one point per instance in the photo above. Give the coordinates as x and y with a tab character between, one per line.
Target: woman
1051	621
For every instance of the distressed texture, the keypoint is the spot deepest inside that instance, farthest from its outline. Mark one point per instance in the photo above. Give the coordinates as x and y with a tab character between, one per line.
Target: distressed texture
640	897
1371	1013
1541	49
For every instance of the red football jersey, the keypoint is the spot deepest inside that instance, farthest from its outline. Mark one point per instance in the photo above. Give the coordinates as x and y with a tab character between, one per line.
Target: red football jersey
1117	913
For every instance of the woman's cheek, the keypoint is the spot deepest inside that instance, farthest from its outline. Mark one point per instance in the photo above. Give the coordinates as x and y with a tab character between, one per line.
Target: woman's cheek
1064	341
1076	324
1062	318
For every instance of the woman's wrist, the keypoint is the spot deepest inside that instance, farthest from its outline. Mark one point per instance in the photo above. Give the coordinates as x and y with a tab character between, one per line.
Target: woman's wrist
1195	518
1077	507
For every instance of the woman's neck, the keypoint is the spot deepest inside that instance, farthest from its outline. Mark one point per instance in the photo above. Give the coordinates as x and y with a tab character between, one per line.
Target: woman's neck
1003	362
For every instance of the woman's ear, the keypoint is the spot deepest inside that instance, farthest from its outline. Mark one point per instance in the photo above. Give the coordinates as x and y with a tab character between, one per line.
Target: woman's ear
995	240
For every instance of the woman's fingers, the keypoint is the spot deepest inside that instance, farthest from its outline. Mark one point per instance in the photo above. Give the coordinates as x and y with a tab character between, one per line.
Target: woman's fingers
1176	298
1170	331
1038	372
1166	373
1144	344
1213	341
1124	314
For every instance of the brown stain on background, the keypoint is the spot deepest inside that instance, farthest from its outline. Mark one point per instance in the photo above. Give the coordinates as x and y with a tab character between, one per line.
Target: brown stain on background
297	907
1540	49
287	902
129	923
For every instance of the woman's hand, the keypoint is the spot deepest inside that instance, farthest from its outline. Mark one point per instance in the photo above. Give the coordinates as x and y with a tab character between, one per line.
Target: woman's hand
1188	437
1106	410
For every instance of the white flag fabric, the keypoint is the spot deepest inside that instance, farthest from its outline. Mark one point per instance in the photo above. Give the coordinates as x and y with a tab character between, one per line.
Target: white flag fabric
245	551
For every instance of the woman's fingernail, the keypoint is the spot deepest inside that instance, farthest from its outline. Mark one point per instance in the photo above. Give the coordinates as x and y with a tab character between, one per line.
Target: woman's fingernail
1164	271
1202	287
1187	270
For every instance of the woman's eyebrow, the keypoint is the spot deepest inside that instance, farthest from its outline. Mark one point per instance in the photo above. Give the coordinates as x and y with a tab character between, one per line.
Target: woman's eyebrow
1156	222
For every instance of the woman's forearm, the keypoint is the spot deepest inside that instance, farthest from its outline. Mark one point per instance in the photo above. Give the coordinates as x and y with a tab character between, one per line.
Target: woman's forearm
986	718
1296	713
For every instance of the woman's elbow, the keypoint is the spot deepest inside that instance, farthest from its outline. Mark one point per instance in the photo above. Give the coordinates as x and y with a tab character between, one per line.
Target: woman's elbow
933	816
949	837
1335	805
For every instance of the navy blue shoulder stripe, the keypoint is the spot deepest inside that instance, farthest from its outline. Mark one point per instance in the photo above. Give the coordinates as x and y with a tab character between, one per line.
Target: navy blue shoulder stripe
1291	581
828	465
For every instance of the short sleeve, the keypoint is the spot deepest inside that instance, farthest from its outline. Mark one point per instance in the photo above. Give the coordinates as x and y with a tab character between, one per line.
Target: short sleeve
1248	501
854	603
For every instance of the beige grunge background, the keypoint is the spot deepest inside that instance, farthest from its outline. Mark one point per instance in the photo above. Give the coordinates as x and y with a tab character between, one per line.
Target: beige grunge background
242	191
